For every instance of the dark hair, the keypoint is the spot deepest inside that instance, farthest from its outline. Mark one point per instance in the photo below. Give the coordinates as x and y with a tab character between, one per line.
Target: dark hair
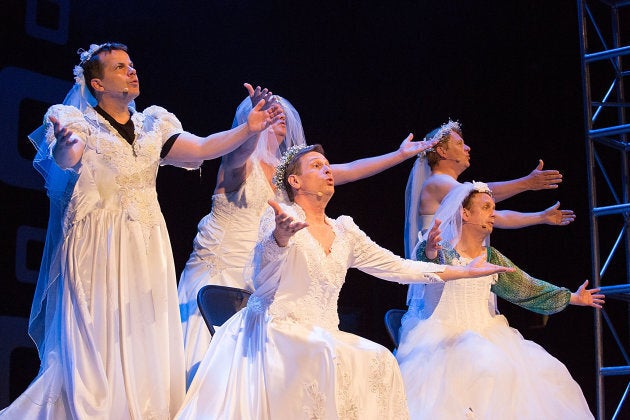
92	66
294	167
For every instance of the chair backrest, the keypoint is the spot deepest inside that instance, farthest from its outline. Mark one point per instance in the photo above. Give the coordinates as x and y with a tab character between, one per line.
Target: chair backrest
218	303
393	318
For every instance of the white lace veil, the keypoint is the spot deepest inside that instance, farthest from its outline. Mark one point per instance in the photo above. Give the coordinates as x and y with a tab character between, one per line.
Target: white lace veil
450	214
419	173
267	148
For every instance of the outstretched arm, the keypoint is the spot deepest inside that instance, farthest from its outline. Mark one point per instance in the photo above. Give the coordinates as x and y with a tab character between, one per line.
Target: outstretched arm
363	168
478	267
508	219
190	147
587	297
538	179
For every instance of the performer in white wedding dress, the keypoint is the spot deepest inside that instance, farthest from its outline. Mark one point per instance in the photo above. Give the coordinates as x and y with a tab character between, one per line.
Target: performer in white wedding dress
436	172
227	235
459	359
105	317
283	356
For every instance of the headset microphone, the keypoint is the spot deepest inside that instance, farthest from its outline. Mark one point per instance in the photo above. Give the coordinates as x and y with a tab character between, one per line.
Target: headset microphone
317	194
125	90
483	226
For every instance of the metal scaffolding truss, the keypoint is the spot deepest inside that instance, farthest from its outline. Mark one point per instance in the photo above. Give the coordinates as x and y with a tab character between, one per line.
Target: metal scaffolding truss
603	46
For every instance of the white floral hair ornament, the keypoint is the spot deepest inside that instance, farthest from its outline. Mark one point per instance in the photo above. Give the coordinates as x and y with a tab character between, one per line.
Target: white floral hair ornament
85	56
286	158
79	96
481	187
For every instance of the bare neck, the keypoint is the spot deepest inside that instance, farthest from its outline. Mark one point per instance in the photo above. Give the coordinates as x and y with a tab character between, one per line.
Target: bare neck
471	244
447	168
314	207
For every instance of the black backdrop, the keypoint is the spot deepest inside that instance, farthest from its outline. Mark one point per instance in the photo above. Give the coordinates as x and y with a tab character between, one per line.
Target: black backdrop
362	75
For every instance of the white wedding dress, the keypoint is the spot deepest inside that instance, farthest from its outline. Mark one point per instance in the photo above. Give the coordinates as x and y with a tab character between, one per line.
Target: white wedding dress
105	316
458	360
283	356
221	250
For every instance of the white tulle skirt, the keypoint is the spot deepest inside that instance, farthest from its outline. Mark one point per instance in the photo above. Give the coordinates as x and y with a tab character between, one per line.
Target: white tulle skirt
492	373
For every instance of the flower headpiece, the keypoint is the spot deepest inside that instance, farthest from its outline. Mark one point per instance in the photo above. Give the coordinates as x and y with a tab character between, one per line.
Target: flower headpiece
286	158
85	56
441	133
482	187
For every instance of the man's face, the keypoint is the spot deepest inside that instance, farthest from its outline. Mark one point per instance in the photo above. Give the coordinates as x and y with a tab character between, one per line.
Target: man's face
280	128
457	151
316	174
119	78
480	213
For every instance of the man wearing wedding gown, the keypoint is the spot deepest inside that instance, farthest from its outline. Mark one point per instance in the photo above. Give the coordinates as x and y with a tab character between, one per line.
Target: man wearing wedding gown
283	356
227	235
459	359
105	317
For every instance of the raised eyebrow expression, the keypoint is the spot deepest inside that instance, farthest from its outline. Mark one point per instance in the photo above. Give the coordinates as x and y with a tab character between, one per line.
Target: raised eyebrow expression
123	65
318	162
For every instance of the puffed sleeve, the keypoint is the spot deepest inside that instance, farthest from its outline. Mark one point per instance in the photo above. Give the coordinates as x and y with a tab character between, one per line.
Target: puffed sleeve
524	290
371	258
59	182
70	118
168	125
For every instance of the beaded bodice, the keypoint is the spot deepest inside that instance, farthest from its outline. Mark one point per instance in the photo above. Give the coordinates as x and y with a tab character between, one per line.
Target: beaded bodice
227	235
114	176
464	302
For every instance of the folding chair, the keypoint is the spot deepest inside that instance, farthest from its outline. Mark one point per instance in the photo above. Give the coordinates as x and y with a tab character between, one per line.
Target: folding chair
393	319
218	303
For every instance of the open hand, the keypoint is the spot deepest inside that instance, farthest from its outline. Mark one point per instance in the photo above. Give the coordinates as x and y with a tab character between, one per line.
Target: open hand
63	135
410	148
587	297
259	119
433	241
256	95
479	267
540	179
555	216
285	225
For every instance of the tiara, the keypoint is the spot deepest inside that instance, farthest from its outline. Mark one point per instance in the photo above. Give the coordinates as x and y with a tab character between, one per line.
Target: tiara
442	133
286	158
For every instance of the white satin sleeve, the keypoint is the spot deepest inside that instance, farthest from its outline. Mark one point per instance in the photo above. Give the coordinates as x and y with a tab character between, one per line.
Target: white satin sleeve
375	260
269	257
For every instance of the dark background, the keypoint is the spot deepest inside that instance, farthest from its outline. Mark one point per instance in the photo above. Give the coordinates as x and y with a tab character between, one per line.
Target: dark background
362	75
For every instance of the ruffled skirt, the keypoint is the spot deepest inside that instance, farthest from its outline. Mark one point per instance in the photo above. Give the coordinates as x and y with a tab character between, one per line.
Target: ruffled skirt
493	373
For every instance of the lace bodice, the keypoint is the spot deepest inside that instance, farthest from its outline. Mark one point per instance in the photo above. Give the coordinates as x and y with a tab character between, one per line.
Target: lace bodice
227	235
248	202
302	283
113	175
